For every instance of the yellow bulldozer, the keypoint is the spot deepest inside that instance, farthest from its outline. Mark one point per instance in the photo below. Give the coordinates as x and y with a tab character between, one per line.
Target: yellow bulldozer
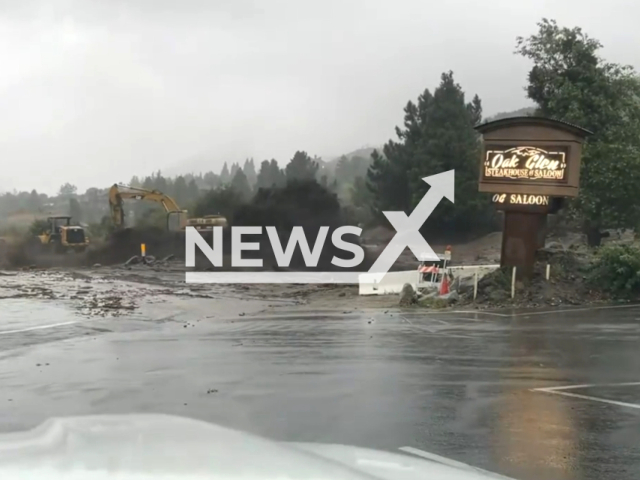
177	219
60	236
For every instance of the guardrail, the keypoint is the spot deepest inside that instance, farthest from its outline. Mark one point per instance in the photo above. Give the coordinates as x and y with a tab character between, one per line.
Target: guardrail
392	282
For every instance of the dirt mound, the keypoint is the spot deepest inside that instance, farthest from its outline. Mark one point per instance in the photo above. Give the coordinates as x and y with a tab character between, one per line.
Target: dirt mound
22	254
377	236
566	285
122	245
117	249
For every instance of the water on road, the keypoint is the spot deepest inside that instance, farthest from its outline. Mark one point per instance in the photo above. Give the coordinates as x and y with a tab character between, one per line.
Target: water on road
552	395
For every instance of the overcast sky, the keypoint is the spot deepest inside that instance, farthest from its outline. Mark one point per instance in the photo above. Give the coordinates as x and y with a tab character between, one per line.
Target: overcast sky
95	91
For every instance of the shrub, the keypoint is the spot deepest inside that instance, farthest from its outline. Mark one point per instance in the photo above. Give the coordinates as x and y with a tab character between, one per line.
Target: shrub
220	201
38	226
617	269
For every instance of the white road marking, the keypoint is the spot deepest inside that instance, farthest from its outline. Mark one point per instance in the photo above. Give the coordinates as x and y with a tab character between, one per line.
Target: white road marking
588	385
562	391
595	399
475	312
450	462
40	327
546	312
569	310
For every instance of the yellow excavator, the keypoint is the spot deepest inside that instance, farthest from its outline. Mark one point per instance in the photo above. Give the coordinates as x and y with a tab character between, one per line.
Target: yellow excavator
177	219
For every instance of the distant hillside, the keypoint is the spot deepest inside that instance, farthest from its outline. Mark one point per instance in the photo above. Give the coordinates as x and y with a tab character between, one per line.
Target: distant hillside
364	152
522	112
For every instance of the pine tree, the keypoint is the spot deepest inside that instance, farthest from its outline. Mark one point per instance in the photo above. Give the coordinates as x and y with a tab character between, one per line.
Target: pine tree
264	178
301	167
211	180
225	176
342	169
249	170
241	185
277	175
438	135
34	201
234	169
181	191
193	191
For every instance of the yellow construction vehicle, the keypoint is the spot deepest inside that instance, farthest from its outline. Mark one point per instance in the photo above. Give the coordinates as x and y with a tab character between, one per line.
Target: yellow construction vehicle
61	237
176	217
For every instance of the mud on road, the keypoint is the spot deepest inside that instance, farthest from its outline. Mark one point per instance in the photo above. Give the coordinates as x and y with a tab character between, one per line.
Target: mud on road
488	389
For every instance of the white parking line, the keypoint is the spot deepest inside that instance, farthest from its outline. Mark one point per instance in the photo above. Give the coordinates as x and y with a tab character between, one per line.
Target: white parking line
476	312
588	385
450	462
562	391
545	312
39	327
569	310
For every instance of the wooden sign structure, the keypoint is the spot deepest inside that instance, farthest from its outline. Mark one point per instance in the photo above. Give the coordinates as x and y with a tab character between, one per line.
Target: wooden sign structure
529	165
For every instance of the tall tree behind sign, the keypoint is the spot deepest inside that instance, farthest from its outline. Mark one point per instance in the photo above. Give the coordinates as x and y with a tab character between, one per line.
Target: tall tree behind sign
570	82
438	135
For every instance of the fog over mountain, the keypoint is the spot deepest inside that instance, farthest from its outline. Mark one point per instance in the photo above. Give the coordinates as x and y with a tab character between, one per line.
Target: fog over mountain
94	92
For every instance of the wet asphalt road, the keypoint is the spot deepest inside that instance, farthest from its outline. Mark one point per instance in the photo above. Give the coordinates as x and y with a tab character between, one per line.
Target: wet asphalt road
458	384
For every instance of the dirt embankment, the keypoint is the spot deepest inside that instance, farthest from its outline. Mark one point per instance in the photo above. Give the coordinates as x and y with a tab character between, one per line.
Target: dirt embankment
120	247
117	249
567	283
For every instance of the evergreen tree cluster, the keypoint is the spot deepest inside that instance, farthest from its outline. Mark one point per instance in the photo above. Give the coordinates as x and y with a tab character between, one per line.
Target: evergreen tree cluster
437	135
568	81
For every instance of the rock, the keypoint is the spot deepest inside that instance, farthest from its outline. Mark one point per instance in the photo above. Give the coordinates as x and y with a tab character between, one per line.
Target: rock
431	293
554	246
342	294
497	295
407	295
451	297
426	291
132	261
96	265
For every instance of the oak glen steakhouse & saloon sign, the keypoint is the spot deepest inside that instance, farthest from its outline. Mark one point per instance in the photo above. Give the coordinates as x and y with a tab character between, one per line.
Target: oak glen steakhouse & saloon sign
530	156
528	163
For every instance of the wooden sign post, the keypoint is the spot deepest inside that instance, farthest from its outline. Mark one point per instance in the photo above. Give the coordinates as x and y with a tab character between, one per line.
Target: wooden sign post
529	165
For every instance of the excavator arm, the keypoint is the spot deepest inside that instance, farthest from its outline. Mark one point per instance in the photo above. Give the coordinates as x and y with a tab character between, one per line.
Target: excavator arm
118	193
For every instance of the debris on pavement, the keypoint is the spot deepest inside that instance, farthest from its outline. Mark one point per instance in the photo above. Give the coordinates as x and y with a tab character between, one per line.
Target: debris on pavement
132	261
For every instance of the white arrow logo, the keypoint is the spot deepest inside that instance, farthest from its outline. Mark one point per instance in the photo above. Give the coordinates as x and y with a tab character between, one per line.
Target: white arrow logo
408	228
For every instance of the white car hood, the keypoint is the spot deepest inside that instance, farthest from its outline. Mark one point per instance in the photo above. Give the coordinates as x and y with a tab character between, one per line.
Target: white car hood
140	447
